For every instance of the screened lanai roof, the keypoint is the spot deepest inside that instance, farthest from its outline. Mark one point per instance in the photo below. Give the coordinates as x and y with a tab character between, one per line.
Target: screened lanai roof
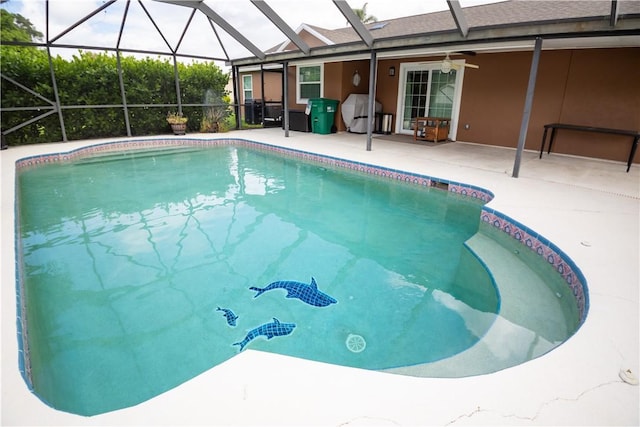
494	16
563	24
241	32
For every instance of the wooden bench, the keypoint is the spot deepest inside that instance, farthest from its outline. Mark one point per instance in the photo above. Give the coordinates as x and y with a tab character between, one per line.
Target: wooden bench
555	126
431	128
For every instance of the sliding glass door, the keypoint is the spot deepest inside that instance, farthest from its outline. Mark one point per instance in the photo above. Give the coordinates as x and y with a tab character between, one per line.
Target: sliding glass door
427	92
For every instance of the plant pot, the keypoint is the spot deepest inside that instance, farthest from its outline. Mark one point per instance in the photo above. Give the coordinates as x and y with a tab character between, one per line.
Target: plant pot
178	128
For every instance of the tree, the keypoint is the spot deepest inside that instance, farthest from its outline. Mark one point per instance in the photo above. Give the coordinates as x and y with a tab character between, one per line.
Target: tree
16	28
362	15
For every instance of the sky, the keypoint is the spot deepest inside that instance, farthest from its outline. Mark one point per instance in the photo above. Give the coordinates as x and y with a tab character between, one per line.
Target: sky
200	39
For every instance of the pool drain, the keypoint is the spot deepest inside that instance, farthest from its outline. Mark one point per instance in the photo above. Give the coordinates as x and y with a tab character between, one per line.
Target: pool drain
355	343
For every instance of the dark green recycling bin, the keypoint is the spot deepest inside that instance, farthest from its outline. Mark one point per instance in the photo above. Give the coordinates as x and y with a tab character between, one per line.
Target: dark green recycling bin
323	113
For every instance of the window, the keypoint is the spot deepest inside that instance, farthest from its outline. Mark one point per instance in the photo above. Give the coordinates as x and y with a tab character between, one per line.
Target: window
247	86
309	82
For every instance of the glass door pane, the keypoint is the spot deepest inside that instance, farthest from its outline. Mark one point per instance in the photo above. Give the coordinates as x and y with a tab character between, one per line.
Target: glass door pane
415	96
442	93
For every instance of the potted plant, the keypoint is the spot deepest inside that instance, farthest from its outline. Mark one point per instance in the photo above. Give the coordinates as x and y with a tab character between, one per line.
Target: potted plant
178	122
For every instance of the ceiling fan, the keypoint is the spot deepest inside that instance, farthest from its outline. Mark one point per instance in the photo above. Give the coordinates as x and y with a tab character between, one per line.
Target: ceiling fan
448	65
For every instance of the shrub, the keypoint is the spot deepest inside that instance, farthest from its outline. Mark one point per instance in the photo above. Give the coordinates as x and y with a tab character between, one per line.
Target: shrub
91	79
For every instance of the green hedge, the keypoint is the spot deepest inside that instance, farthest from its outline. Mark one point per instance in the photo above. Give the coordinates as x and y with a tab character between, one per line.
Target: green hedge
92	79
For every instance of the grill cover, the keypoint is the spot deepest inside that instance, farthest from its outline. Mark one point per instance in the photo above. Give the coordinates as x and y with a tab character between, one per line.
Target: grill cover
354	112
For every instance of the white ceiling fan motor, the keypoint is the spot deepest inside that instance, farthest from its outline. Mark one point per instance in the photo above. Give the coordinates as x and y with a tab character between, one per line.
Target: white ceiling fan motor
446	65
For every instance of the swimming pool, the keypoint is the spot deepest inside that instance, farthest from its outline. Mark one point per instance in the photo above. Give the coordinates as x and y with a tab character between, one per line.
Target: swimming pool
196	234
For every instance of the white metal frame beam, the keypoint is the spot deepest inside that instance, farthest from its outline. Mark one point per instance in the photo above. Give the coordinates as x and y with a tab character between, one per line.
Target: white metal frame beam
613	17
355	22
282	26
220	21
458	17
211	14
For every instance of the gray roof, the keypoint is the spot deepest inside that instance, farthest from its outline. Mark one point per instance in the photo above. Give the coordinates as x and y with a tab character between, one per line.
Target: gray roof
507	13
510	12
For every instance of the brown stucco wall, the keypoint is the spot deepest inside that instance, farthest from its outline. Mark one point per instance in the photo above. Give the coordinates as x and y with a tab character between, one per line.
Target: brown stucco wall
337	84
493	98
272	86
387	87
595	87
592	87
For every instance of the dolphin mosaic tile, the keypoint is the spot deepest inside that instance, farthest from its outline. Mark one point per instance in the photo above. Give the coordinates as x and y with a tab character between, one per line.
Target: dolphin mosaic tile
229	315
306	293
269	330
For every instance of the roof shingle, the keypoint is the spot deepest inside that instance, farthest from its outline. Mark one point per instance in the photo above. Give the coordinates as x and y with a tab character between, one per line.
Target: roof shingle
509	12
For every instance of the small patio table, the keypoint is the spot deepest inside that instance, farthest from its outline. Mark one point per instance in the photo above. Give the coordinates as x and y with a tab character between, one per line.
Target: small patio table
555	126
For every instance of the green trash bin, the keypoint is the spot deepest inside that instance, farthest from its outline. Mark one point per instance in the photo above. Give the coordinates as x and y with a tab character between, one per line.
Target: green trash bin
323	113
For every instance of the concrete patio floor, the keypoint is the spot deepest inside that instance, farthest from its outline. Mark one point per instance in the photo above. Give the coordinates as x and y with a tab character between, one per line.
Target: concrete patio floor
589	208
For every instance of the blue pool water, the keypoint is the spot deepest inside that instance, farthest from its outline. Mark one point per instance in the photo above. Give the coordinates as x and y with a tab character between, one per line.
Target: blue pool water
138	270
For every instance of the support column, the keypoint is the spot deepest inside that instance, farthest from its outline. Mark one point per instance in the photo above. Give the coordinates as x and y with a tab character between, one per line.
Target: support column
373	68
285	96
123	94
527	106
56	95
236	92
54	83
177	79
262	106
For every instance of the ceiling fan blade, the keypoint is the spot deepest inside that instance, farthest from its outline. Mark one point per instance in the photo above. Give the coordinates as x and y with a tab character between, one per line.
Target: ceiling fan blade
472	66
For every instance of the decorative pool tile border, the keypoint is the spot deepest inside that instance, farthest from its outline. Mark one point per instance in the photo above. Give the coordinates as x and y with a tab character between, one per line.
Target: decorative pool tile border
128	145
24	359
561	263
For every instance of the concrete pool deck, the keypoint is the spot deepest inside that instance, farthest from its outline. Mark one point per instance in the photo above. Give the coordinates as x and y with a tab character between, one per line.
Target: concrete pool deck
589	208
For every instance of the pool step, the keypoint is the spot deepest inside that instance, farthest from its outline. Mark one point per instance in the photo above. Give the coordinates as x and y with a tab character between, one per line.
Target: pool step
137	154
531	320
